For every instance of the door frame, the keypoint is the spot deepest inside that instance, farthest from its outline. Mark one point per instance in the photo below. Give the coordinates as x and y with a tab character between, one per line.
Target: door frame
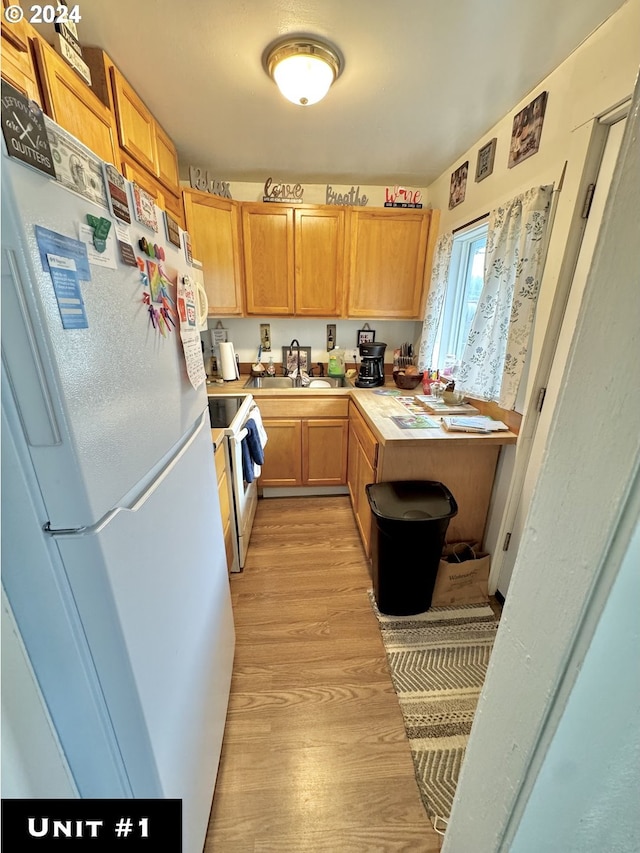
598	135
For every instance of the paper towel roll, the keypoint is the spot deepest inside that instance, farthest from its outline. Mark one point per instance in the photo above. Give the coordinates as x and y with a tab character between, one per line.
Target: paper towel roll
228	366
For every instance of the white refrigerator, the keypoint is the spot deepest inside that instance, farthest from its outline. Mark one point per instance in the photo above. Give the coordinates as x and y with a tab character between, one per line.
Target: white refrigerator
113	558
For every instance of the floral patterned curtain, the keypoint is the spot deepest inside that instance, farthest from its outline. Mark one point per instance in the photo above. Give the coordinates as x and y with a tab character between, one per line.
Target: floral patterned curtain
435	300
496	349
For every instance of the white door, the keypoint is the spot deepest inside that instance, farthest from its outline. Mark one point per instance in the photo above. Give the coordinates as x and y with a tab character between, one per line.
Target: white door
572	310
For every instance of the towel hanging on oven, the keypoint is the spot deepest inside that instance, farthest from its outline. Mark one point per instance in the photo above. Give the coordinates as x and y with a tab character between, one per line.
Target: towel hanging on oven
252	453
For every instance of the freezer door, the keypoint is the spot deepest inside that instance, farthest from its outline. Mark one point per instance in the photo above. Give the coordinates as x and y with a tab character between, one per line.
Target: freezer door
162	562
101	406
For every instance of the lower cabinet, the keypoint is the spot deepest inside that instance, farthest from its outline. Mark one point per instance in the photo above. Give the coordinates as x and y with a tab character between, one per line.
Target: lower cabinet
308	448
226	506
361	470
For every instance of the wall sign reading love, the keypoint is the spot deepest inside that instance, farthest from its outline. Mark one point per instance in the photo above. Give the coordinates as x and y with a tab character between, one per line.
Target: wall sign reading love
282	192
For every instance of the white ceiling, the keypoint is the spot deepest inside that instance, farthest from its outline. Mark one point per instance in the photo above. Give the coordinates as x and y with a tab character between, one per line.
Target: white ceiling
423	80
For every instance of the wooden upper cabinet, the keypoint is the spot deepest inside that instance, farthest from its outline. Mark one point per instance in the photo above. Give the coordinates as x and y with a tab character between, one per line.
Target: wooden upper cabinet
213	224
70	102
140	135
387	254
294	259
173	205
267	231
132	172
17	65
319	261
136	125
16	33
167	160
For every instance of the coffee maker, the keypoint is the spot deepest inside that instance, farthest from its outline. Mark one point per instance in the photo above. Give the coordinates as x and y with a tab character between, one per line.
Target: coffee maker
371	373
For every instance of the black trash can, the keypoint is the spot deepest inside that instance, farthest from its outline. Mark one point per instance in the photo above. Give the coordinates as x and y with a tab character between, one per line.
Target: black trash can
410	521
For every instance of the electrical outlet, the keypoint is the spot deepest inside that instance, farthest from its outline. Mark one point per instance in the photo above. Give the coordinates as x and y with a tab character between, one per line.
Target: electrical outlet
331	336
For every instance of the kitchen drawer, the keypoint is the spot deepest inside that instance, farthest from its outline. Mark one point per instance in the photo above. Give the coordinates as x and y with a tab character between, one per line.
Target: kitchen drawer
303	406
366	438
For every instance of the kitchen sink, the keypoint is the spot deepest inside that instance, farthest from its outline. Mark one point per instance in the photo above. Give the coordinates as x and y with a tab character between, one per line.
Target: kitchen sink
287	382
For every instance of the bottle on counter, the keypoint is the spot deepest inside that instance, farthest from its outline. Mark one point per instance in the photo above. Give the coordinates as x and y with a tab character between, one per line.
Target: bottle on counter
336	362
271	369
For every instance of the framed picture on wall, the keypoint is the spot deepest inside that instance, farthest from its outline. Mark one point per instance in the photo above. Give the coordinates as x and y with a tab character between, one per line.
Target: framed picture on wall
486	156
458	188
527	130
366	336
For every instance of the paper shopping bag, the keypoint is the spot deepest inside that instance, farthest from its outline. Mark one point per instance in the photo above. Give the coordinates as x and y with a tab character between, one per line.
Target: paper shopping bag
463	576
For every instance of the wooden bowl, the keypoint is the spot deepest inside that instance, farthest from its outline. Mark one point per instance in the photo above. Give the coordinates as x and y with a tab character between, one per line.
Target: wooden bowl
406	381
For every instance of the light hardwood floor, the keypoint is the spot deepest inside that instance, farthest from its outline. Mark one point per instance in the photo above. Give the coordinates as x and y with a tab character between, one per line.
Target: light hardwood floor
315	758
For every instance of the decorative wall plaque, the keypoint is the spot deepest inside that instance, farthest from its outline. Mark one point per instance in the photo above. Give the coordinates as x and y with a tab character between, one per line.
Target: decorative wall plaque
199	179
402	197
486	156
458	188
352	197
527	130
24	131
282	192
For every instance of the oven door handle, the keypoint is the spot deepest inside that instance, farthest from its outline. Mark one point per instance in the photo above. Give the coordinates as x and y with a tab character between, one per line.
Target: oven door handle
237	437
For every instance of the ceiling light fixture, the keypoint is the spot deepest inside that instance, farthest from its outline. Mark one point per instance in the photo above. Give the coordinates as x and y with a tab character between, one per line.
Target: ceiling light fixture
304	69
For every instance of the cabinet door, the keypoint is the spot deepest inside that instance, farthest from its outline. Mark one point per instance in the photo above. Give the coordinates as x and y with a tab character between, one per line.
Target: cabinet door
132	172
136	125
324	452
167	163
352	469
15	33
283	453
319	262
387	255
213	224
366	474
17	67
71	103
267	232
173	204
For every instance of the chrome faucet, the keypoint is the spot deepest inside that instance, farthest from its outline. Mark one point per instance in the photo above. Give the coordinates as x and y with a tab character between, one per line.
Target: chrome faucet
297	380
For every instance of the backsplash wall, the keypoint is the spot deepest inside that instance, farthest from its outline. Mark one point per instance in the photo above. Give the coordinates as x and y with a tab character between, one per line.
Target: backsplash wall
245	335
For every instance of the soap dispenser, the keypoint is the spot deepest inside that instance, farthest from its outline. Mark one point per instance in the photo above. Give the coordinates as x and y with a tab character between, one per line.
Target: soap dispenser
336	362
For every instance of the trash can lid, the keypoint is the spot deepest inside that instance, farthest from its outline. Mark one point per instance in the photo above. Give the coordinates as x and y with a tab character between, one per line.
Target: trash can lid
411	500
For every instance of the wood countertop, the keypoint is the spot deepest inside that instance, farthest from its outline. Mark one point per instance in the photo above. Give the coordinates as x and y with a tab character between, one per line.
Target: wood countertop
377	409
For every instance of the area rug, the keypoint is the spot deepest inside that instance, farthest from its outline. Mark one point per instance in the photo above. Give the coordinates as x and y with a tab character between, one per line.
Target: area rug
438	661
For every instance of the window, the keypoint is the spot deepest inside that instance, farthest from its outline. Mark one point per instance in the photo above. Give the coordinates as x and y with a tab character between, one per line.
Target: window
466	273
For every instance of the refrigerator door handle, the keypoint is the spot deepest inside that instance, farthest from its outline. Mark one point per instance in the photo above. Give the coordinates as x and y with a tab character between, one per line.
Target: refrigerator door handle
20	351
139	500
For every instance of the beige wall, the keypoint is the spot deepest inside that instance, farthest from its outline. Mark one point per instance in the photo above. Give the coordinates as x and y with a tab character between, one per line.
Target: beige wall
313	193
599	75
